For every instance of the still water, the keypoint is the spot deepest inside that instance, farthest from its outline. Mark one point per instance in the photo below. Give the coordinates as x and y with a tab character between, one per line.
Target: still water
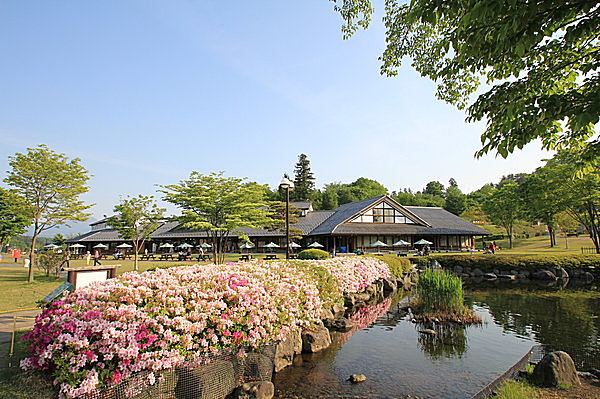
399	361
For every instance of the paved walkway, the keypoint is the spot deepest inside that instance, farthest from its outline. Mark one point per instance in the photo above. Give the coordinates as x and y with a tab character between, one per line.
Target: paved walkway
6	328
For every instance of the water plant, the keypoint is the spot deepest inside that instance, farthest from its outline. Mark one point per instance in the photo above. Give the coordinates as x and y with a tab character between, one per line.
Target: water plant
439	291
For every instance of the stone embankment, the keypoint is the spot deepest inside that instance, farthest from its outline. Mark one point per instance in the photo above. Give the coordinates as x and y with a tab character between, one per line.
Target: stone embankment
545	275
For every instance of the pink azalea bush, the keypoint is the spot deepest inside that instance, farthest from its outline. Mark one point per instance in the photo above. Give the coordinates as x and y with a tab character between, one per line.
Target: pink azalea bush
153	321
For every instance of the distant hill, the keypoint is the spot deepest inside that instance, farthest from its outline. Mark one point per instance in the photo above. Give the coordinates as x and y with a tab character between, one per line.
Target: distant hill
75	228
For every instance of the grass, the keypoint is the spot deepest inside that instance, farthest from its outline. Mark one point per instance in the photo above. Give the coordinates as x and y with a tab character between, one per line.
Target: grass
540	245
439	291
511	389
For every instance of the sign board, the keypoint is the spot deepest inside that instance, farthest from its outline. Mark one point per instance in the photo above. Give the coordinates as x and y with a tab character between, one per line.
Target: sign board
82	276
59	292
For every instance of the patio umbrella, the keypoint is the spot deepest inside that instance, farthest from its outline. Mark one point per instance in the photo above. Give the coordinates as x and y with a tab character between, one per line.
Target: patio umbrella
76	246
423	242
124	245
185	245
315	245
271	245
379	244
247	245
205	245
100	246
294	245
166	245
401	243
52	246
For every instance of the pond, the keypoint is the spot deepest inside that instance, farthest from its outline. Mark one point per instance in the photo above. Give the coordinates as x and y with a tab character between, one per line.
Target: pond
400	362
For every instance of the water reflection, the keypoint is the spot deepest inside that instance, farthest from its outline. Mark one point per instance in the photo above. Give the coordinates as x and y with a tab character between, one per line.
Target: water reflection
398	361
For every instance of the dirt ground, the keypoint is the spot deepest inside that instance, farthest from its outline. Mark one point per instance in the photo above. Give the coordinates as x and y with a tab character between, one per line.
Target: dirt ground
589	389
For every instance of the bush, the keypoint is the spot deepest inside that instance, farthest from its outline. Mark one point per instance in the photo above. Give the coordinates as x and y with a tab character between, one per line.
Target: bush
398	266
49	262
531	263
439	291
313	254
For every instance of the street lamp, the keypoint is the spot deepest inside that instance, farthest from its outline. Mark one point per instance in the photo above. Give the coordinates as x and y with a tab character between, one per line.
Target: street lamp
287	185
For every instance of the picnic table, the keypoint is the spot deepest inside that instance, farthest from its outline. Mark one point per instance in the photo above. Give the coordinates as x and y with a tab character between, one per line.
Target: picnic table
245	257
166	257
148	257
184	257
203	257
270	257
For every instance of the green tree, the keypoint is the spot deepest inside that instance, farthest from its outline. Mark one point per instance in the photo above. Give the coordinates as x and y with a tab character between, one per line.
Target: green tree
567	225
50	184
329	198
456	201
362	188
58	239
15	216
540	60
304	181
278	215
504	208
434	188
542	199
136	218
219	205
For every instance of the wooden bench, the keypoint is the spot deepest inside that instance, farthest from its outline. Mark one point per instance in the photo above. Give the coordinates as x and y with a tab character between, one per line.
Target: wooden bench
245	257
148	257
270	257
166	257
203	257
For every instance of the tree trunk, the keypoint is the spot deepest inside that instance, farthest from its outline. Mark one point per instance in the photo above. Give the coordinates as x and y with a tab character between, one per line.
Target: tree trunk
136	249
552	236
510	237
31	253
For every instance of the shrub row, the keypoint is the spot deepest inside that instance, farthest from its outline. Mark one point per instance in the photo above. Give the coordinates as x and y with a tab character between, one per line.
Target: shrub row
398	265
488	263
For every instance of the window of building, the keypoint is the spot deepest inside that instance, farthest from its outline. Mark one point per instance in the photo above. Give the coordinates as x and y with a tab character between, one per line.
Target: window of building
382	213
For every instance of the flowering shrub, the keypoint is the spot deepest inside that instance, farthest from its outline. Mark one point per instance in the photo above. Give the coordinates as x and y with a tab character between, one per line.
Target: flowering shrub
153	321
355	273
156	320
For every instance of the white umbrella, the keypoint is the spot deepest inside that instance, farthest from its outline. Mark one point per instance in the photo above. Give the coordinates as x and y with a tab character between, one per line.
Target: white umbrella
205	245
379	244
315	245
247	245
294	245
124	245
271	245
166	245
76	246
423	242
185	245
400	243
51	246
100	246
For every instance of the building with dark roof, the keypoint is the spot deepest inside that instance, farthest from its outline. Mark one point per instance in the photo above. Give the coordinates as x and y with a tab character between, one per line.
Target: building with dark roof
349	227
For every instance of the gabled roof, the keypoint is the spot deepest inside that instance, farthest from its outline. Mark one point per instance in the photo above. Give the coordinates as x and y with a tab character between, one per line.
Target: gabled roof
98	235
302	205
444	222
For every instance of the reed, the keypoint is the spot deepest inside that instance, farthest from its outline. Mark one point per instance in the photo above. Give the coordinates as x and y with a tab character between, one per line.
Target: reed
439	291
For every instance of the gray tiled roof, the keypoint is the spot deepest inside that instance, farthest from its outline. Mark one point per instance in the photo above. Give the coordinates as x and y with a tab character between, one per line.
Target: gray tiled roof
342	213
98	235
444	222
303	205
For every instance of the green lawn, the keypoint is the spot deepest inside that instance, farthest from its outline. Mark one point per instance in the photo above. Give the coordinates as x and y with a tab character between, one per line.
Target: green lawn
541	246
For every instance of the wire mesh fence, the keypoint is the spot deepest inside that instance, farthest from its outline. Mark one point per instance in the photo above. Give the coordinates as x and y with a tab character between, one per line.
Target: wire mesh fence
211	377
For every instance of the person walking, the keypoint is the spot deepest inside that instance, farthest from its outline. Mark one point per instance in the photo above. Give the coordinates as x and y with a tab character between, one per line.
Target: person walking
97	258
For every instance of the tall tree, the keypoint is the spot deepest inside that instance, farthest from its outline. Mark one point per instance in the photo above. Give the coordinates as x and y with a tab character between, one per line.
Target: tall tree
504	207
539	58
136	218
51	185
15	216
304	181
58	239
278	215
220	206
434	188
329	198
456	201
360	189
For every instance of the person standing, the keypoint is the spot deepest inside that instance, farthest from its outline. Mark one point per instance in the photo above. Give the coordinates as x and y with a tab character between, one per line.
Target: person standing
16	253
66	259
97	258
88	257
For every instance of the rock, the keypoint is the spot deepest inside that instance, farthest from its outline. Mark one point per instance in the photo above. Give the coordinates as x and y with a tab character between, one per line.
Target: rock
490	276
356	378
523	276
496	271
315	340
561	273
515	272
587	375
555	368
588	276
594	372
543	275
326	314
458	270
255	390
465	275
389	286
284	353
337	309
216	379
342	325
477	272
508	276
428	332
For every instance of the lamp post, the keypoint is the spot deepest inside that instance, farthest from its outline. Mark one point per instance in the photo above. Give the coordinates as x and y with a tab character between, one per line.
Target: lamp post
287	185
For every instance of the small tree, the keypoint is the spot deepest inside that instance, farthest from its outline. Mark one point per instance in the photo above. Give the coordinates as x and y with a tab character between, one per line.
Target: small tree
278	215
50	184
15	216
504	208
136	218
456	201
58	239
49	262
220	206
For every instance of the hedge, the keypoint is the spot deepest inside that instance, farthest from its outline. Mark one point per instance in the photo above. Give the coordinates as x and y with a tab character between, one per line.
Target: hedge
398	265
313	254
487	262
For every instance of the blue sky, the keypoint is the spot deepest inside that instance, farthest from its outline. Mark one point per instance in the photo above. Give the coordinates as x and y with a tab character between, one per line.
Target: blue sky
144	92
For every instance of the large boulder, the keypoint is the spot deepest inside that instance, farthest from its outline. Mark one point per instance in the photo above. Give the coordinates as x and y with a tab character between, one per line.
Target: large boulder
255	390
477	272
561	273
316	339
546	275
286	349
555	368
